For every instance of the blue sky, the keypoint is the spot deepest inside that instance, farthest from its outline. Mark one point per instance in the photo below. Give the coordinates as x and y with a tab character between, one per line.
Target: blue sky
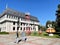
44	10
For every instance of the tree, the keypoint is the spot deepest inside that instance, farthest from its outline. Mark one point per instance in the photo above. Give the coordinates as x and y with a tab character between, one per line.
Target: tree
38	27
58	19
53	24
48	22
43	28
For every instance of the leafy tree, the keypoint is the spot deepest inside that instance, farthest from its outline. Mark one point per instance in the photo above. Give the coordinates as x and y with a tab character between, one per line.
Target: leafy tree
43	28
58	19
38	27
53	24
48	22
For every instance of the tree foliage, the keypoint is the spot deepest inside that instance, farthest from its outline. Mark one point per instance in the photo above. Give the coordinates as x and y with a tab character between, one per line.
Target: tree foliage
48	22
38	27
43	28
58	19
53	23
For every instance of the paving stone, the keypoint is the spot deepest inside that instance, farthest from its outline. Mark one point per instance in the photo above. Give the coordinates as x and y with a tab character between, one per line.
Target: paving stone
31	40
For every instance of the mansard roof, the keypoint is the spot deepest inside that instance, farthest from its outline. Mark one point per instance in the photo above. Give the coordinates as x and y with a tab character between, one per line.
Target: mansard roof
18	14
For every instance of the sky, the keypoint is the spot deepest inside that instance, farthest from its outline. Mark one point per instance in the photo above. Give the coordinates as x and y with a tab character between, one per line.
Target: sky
44	10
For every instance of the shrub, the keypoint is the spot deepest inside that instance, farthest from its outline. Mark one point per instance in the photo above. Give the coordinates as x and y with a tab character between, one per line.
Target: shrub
35	33
44	34
28	32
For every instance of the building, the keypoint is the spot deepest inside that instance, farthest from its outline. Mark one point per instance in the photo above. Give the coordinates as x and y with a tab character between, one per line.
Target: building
9	21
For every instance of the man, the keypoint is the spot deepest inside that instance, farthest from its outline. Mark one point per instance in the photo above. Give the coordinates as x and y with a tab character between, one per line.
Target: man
23	35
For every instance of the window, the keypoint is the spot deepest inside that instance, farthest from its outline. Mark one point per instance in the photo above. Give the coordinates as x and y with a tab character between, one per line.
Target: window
9	16
15	17
31	24
13	23
24	28
26	24
21	28
21	23
13	28
17	28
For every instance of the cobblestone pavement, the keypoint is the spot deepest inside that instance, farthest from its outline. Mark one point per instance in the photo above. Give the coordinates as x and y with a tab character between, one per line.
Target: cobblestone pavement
32	40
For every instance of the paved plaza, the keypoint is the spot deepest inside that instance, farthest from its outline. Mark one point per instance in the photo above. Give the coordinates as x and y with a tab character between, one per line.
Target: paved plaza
32	40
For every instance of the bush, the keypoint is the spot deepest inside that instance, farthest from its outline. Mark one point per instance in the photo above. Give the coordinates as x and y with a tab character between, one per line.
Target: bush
35	33
28	32
57	33
44	34
4	33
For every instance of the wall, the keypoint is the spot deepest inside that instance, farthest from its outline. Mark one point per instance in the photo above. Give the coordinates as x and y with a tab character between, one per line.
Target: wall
8	26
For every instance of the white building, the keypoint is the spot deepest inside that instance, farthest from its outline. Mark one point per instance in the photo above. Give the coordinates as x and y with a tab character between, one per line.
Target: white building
9	19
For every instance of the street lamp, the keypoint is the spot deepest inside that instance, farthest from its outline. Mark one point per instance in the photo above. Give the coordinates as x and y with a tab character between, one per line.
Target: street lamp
34	27
17	27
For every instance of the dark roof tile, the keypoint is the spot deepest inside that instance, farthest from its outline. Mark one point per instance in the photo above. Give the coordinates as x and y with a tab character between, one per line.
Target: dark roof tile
19	14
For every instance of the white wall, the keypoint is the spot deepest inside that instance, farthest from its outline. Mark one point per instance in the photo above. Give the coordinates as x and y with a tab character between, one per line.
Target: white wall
3	27
9	25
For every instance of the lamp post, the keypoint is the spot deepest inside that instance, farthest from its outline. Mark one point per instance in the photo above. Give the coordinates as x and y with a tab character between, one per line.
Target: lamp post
17	27
34	27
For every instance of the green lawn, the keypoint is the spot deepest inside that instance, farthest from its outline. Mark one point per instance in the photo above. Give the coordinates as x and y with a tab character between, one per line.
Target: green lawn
4	33
44	34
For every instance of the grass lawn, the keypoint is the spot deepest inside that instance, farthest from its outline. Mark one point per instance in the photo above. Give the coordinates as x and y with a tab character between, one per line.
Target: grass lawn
44	34
4	33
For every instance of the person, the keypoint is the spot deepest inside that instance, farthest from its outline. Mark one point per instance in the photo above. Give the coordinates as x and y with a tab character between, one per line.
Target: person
23	35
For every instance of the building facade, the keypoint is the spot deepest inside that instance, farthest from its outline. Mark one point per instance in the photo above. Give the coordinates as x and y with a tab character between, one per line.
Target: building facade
9	21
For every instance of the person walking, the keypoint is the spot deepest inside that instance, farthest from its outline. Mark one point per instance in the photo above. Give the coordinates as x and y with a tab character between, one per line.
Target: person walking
23	35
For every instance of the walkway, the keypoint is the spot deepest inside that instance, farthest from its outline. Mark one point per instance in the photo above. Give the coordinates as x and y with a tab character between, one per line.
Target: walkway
32	40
